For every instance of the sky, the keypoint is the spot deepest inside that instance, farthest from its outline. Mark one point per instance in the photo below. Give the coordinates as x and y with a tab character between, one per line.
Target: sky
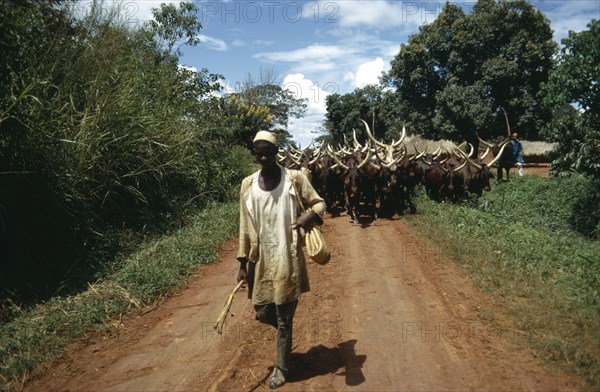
321	47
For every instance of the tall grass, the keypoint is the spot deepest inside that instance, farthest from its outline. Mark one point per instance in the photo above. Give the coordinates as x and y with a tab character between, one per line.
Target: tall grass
102	138
116	175
519	245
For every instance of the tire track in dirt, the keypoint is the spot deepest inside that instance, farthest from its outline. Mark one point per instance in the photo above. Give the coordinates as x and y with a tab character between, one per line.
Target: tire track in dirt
387	313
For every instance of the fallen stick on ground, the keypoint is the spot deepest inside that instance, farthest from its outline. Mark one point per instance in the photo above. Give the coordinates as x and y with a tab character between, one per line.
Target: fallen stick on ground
223	316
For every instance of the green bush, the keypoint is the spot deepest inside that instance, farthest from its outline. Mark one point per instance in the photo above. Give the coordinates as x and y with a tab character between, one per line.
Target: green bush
560	205
103	137
585	216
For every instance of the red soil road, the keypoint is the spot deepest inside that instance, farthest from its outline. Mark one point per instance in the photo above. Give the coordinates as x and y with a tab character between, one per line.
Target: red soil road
387	313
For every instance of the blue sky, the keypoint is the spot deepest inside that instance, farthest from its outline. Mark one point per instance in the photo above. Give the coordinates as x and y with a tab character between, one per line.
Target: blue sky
321	47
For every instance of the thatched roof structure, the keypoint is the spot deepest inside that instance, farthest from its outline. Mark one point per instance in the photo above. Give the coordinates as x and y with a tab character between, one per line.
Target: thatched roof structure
536	148
426	144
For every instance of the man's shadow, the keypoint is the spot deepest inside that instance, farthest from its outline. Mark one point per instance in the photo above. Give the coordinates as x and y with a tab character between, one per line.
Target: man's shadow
321	360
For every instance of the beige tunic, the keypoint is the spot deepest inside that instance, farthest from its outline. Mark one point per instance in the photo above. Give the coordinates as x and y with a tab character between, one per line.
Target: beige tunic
267	239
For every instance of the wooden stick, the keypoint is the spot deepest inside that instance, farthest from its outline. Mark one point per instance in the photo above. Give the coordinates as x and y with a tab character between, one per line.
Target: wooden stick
223	316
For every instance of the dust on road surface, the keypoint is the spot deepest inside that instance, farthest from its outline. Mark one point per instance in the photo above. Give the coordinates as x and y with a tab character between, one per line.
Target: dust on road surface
387	313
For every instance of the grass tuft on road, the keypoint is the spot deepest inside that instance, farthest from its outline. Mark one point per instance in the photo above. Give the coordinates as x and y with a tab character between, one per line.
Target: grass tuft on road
519	243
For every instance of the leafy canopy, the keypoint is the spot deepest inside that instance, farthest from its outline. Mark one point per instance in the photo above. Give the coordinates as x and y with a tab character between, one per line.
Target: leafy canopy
453	78
282	105
172	25
575	82
344	113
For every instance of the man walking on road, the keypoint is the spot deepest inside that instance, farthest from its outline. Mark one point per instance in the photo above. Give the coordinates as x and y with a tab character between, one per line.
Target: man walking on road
270	253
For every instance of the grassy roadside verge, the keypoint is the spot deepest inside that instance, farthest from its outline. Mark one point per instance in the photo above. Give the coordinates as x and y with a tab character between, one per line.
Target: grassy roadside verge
517	245
157	268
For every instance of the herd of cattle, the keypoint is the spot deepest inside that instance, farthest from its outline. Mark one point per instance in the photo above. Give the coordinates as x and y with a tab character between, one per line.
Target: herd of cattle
379	179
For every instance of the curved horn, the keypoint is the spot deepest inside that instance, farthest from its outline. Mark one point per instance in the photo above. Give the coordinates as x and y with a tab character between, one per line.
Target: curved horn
366	160
418	156
370	135
396	160
470	161
356	143
483	141
316	157
344	149
445	159
487	150
417	150
402	136
460	167
375	166
337	160
295	159
329	150
507	124
472	150
367	146
497	157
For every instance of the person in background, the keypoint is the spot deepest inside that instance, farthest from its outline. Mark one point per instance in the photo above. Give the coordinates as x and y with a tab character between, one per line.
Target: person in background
270	254
517	150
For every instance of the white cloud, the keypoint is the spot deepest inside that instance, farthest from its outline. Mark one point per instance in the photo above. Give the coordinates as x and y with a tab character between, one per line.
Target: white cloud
227	89
142	10
193	69
305	129
213	43
349	77
262	42
377	14
312	52
569	15
369	72
342	67
391	51
238	43
306	88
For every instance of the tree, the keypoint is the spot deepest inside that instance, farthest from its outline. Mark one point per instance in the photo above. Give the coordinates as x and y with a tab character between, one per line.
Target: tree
574	81
344	113
455	76
281	102
100	131
173	24
243	120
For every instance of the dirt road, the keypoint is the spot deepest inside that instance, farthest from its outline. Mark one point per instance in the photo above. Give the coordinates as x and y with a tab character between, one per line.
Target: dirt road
387	313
